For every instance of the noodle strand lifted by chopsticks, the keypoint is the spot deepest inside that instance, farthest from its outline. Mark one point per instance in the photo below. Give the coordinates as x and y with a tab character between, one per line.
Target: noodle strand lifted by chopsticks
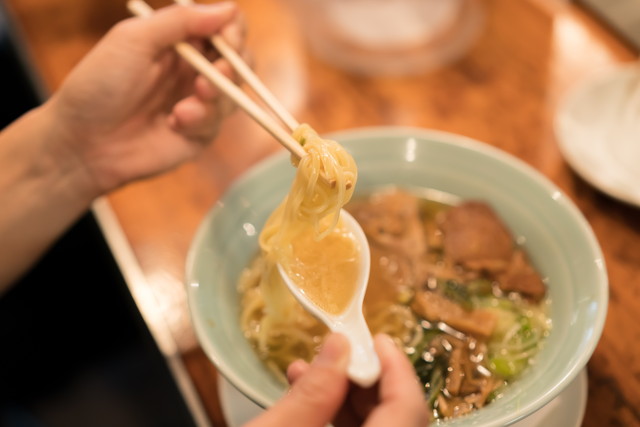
311	199
323	184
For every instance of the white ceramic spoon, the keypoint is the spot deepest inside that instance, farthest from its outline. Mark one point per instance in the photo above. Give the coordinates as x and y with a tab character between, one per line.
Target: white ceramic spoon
364	366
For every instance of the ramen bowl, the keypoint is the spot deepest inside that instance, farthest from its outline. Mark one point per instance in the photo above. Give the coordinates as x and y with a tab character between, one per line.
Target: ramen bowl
556	236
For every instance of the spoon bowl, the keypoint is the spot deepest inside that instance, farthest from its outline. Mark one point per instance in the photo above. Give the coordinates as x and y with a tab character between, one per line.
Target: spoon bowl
364	365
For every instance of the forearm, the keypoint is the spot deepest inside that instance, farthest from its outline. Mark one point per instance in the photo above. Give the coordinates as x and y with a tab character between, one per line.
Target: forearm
126	112
43	190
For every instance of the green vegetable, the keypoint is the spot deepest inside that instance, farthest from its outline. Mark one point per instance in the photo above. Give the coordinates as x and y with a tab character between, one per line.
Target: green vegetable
428	335
456	292
517	338
480	287
506	367
430	371
435	385
432	375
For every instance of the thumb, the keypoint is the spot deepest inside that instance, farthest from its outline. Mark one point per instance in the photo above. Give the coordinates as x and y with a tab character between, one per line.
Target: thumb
173	24
317	395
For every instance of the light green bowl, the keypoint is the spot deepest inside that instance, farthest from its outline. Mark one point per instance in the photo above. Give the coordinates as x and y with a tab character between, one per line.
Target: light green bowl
559	240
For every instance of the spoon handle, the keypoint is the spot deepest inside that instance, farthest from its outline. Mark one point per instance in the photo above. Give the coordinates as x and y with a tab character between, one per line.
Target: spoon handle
364	366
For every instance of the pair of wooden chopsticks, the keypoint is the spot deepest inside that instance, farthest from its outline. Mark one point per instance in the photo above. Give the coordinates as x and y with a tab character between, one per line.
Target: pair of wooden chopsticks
229	88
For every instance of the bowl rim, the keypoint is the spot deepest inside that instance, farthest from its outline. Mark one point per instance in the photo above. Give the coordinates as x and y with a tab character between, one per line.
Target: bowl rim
441	137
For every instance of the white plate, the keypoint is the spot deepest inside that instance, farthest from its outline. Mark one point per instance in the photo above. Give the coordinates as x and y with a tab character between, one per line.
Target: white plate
566	410
598	129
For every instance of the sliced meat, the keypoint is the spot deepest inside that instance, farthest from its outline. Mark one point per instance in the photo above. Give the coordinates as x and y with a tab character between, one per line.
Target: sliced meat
388	276
455	375
437	308
446	410
475	237
392	220
521	277
457	406
485	386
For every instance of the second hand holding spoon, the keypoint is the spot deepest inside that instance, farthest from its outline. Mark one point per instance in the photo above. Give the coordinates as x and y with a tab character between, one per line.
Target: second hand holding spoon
364	365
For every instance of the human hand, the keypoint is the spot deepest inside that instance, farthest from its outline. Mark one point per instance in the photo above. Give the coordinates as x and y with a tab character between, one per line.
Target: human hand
321	392
132	108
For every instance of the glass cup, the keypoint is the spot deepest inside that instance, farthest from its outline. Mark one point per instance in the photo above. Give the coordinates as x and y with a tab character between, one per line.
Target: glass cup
388	36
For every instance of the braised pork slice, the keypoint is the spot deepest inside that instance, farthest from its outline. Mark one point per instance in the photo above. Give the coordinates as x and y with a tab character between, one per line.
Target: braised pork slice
521	277
393	220
476	238
438	308
396	235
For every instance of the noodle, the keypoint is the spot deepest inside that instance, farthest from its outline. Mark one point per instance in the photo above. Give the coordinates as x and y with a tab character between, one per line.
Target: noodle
279	328
311	199
464	324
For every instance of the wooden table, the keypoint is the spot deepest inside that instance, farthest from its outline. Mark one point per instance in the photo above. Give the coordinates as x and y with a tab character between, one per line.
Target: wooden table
504	92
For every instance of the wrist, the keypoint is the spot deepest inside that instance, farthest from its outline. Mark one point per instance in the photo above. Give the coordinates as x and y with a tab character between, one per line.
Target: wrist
62	158
43	190
41	159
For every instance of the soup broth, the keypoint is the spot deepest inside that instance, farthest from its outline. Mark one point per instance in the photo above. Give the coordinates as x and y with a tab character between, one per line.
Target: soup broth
326	270
448	283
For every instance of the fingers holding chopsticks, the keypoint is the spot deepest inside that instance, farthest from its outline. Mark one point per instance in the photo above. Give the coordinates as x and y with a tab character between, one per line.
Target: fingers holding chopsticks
198	115
234	35
255	111
173	24
194	116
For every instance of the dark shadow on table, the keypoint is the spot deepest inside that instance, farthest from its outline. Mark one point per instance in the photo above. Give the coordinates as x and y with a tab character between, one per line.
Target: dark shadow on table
74	350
